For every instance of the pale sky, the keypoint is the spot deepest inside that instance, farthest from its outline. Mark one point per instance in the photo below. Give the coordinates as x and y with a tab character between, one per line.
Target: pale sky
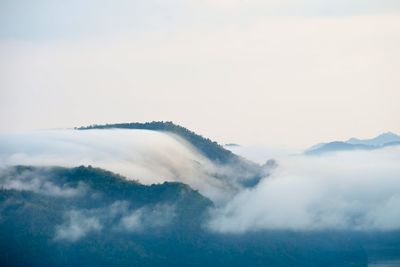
273	72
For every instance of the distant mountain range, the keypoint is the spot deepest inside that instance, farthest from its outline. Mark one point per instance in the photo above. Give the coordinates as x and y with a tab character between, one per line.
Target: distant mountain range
380	141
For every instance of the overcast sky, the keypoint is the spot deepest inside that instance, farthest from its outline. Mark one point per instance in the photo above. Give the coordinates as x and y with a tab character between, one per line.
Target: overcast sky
275	72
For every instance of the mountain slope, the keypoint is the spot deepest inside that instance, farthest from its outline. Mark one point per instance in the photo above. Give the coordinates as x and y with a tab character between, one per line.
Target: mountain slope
250	171
208	148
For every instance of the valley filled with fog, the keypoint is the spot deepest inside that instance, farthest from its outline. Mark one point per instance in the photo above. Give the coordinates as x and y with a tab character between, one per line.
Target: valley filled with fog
93	187
350	190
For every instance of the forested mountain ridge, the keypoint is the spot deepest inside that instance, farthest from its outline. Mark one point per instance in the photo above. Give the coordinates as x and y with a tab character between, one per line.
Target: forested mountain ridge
251	172
207	147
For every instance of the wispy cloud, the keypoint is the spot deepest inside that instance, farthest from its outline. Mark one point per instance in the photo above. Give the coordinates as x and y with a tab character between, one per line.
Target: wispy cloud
147	218
77	225
39	182
117	217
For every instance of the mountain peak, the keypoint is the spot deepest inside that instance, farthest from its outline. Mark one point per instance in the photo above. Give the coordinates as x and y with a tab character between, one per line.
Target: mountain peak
388	134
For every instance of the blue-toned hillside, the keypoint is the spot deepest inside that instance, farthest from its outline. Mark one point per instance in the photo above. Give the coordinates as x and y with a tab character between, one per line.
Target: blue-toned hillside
380	141
86	216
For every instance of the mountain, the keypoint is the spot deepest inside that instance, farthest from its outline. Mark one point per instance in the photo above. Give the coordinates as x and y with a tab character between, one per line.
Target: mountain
211	149
250	172
337	146
380	141
86	216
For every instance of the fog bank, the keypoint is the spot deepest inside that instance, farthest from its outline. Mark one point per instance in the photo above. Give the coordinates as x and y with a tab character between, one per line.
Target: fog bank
344	191
146	156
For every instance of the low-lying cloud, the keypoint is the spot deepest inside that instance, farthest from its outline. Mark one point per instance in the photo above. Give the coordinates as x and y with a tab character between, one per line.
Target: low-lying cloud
39	182
77	226
344	191
117	217
146	156
357	190
148	218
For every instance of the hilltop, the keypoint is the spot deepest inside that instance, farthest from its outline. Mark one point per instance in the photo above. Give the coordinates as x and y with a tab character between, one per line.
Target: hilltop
251	172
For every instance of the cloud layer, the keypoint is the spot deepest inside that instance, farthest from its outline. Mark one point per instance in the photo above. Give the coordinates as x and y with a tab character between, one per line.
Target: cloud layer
146	156
344	191
358	190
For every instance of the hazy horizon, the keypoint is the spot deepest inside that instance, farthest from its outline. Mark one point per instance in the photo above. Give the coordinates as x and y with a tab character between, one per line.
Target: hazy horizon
291	73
